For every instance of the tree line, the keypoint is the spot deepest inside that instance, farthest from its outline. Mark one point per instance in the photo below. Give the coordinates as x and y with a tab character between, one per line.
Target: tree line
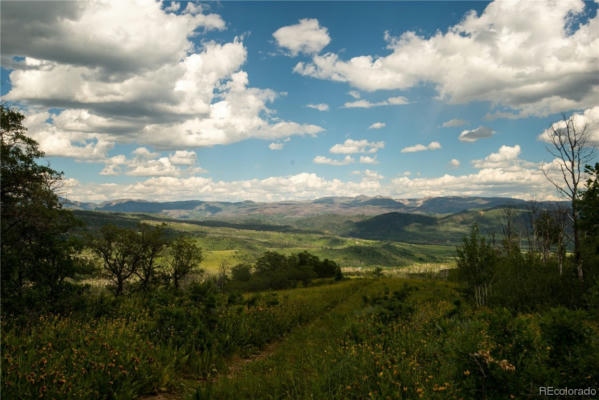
545	273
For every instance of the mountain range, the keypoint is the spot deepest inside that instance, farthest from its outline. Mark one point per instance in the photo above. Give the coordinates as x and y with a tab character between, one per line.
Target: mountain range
348	206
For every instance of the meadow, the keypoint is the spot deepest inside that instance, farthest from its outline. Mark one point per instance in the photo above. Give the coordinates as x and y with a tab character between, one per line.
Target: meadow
380	338
227	246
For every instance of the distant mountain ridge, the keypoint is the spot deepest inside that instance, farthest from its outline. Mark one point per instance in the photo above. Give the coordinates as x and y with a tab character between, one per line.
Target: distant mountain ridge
361	205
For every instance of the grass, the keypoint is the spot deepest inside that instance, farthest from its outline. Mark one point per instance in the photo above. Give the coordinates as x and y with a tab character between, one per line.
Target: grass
411	339
231	245
385	338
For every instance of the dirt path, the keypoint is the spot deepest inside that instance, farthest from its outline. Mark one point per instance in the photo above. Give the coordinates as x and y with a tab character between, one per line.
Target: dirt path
235	365
238	363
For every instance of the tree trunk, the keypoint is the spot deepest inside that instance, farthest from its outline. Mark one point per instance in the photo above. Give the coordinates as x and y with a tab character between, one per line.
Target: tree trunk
119	286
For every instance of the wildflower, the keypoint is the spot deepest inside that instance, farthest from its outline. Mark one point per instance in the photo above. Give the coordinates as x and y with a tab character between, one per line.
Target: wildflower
467	372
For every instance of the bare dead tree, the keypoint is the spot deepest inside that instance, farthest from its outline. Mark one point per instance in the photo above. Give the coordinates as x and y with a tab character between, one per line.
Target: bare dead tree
572	147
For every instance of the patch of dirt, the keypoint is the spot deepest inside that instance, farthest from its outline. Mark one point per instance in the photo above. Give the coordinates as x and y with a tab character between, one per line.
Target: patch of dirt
237	363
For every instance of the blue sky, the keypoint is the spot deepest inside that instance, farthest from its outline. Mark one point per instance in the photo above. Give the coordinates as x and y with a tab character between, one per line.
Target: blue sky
297	100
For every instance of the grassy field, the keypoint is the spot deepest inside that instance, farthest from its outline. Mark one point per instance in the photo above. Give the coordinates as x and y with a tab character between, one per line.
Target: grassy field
385	338
229	246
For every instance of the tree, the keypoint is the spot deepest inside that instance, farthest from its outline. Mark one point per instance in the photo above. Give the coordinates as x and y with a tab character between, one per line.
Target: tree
151	243
185	255
571	146
588	204
241	272
476	263
547	232
37	249
121	254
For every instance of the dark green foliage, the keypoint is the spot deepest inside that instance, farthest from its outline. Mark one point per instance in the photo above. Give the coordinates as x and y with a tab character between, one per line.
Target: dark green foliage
241	272
573	347
588	205
37	250
121	253
277	271
184	257
152	241
476	263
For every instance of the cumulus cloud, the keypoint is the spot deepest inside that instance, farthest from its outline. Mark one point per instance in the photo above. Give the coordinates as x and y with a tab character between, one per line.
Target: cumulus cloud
368	160
183	157
276	146
504	158
377	125
533	57
369	174
391	101
472	135
127	71
63	33
147	163
421	147
306	37
302	186
351	146
525	180
454	163
329	161
454	123
588	120
319	107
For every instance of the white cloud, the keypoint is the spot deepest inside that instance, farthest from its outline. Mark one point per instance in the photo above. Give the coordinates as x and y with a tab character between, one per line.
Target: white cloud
276	146
301	186
421	147
454	123
588	120
183	157
454	163
368	160
473	135
504	158
329	161
351	146
369	174
377	125
117	37
319	107
56	141
146	163
354	93
304	37
532	57
391	101
140	77
522	181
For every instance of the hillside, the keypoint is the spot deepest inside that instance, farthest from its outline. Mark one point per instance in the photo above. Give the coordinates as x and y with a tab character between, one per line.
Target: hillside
275	211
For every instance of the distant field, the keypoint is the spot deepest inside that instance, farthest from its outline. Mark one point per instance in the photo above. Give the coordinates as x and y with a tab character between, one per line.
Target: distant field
227	246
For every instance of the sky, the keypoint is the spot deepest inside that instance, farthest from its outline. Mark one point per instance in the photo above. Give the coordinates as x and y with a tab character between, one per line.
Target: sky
296	100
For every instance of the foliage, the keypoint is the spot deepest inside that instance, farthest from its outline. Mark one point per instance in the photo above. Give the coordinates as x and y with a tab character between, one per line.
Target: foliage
151	244
427	345
121	254
129	346
184	256
276	271
37	251
476	260
588	205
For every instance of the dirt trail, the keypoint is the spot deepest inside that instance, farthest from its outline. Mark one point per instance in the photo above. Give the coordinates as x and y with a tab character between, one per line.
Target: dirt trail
238	363
235	365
